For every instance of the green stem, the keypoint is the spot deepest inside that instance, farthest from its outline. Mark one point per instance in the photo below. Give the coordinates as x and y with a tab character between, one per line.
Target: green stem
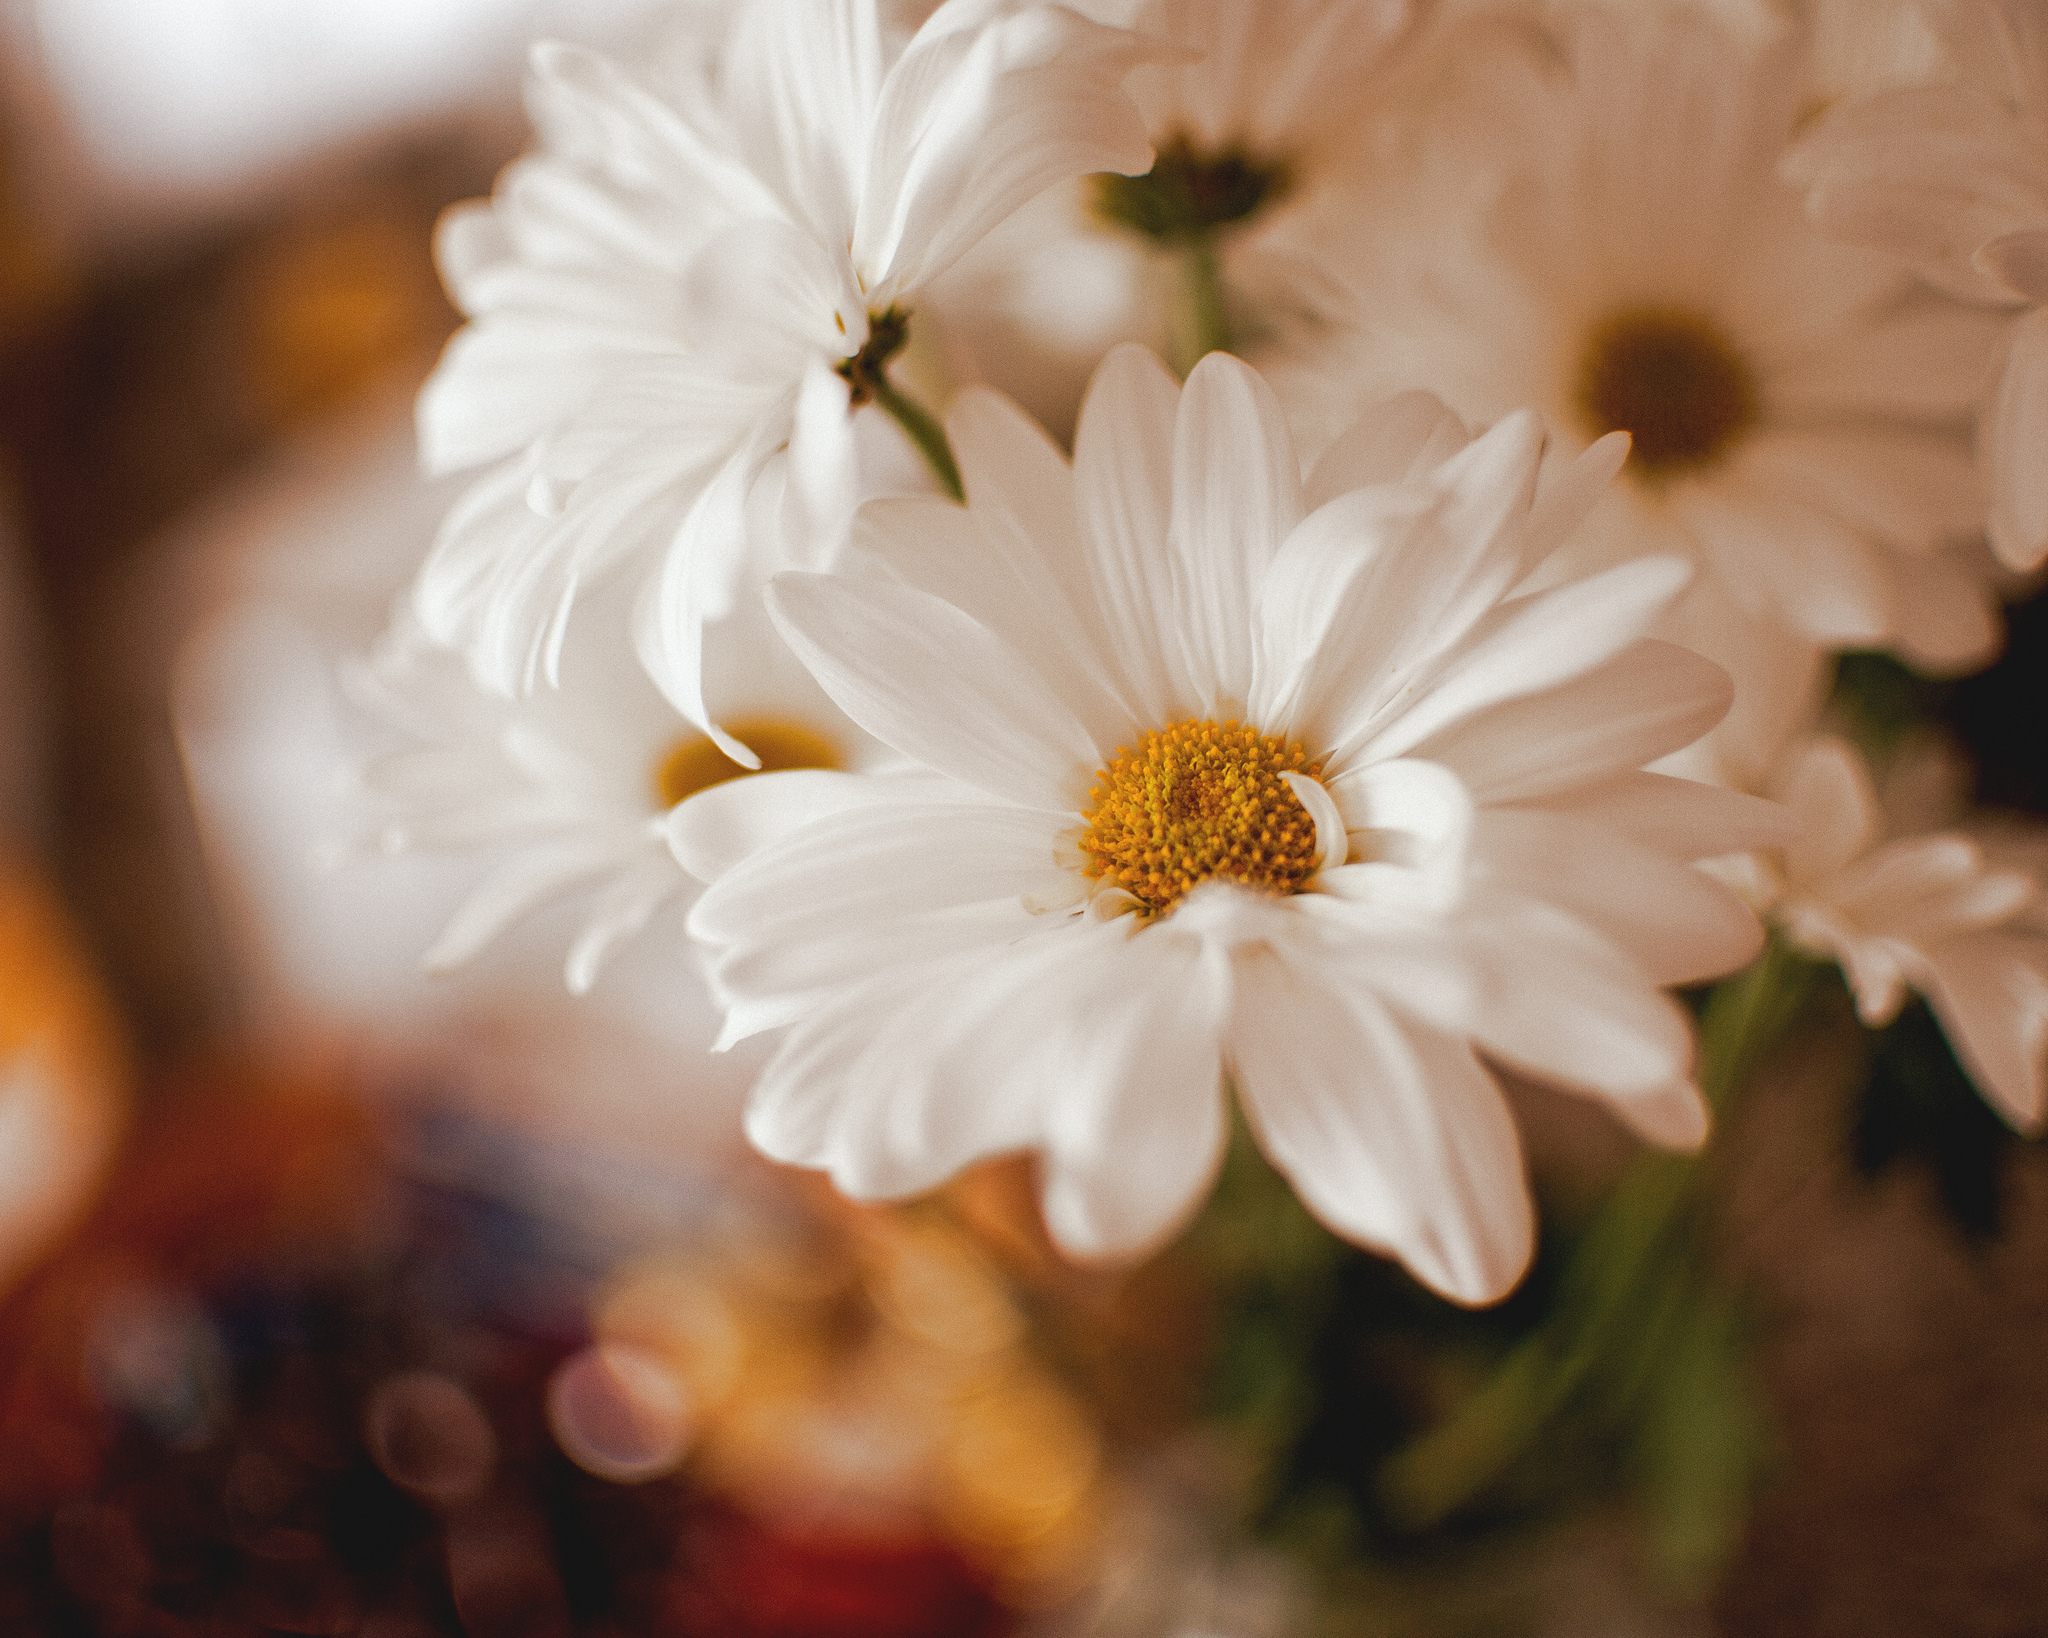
1633	1261
924	429
1745	1014
1209	328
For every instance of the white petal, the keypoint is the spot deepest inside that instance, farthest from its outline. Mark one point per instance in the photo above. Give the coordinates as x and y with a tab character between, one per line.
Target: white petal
2016	432
974	122
1020	492
1909	489
1927	173
1927	363
1236	497
696	585
1649	700
1534	986
1677	923
1409	824
534	877
804	79
1990	991
590	110
1566	499
1391	1133
2019	261
1829	792
1332	844
1123	486
1782	561
622	910
1395	442
1537	642
1349	562
866	872
1094	1046
874	1085
1950	622
1137	1129
765	294
1681	818
1403	574
929	681
715	829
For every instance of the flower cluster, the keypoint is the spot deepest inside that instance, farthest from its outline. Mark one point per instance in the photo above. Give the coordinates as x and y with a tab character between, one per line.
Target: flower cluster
1338	723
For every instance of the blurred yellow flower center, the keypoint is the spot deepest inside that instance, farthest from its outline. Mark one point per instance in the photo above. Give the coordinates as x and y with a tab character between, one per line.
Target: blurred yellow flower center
1672	381
696	764
1196	802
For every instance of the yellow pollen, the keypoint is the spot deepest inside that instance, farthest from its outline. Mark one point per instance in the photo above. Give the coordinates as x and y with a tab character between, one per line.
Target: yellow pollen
1673	381
696	764
1196	802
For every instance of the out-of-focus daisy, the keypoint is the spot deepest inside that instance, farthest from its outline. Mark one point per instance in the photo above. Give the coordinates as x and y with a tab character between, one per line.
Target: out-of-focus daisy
698	270
1799	414
1952	178
577	782
1929	913
1225	771
579	779
1268	107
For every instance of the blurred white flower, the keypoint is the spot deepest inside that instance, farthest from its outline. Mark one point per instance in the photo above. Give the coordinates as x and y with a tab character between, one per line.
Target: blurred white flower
572	779
1928	913
575	785
1952	178
1799	412
693	274
1225	771
1264	107
1269	92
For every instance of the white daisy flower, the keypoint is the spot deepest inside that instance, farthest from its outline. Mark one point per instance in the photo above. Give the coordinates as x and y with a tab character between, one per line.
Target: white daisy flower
1927	913
1266	107
1799	414
1952	178
1267	99
1225	771
692	274
575	784
552	775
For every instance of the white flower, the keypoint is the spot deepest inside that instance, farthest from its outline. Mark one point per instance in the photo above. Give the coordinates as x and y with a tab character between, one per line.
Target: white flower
1274	84
1266	107
575	784
693	274
1953	179
1799	413
1926	913
1407	826
569	779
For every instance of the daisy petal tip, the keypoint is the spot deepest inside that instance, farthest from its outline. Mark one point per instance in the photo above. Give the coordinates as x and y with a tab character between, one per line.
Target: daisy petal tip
1089	1236
1673	1117
1522	431
1333	845
741	753
1475	1276
1611	451
1667	574
2019	548
553	59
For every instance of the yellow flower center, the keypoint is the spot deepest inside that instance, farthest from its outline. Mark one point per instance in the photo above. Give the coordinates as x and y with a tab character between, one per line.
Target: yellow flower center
1196	802
1671	380
696	764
